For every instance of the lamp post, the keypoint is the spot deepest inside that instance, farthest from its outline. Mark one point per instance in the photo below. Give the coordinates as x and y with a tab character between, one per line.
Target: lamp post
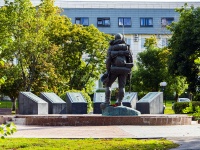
163	85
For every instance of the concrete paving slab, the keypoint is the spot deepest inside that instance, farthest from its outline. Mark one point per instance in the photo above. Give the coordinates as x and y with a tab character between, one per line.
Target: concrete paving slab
187	136
24	131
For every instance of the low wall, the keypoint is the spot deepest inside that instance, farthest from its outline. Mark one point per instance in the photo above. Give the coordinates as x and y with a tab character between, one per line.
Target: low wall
98	120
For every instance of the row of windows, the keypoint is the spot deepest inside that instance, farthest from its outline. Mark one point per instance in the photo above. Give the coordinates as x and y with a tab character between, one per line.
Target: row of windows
124	21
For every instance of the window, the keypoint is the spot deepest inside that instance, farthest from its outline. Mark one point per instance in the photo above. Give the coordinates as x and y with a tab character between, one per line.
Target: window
128	41
146	22
124	22
166	21
82	20
103	22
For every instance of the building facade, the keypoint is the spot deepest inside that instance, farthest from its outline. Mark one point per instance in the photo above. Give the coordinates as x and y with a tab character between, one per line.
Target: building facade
137	20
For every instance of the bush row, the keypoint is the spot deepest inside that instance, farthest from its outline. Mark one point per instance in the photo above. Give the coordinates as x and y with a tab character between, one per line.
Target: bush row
180	106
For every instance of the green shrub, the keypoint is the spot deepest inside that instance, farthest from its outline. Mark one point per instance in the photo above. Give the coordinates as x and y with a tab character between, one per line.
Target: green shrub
180	106
194	110
197	97
85	95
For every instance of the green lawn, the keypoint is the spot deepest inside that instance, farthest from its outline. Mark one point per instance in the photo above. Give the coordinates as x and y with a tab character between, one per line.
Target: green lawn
85	144
168	107
5	104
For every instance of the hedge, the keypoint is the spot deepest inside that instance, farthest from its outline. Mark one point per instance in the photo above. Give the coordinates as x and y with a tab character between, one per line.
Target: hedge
179	106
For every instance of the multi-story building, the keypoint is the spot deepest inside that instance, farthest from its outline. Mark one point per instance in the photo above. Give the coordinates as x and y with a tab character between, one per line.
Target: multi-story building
136	19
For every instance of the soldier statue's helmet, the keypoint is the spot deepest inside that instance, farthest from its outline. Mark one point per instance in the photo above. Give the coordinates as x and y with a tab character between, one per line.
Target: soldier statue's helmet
118	36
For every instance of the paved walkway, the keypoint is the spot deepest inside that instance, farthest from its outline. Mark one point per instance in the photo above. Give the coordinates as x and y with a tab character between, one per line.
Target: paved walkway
188	136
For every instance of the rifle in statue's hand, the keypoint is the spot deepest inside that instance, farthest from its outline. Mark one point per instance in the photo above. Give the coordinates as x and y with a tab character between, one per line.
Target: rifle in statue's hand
129	81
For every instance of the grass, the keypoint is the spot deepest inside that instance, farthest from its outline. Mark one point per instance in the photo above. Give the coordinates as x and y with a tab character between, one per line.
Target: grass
5	104
85	144
168	107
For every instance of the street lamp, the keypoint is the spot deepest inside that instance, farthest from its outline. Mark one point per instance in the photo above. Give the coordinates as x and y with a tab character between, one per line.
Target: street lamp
163	85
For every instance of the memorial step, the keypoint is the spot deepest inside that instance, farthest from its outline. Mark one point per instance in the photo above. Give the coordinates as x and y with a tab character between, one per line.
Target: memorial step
99	120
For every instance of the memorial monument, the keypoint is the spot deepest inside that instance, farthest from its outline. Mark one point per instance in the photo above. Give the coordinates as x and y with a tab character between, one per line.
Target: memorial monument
118	64
152	103
76	104
130	99
56	104
30	103
99	97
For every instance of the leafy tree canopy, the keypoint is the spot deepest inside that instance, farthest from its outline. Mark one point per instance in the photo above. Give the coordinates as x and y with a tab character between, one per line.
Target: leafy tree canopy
185	46
151	68
43	50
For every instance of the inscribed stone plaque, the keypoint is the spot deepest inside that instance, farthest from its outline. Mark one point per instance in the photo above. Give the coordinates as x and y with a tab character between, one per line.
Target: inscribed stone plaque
152	103
130	99
99	98
56	104
76	104
29	103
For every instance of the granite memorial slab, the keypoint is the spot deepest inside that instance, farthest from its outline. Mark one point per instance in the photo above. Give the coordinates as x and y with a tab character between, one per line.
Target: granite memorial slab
55	103
99	97
30	103
130	99
76	104
152	103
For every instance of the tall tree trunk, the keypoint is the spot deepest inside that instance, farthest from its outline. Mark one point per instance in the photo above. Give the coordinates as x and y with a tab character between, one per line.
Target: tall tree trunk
176	97
13	104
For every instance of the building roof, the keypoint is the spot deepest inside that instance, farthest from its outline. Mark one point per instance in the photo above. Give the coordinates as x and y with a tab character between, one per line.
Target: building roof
125	4
161	4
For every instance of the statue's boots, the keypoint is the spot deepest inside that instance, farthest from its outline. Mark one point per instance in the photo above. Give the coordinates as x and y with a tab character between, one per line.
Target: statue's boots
104	105
119	103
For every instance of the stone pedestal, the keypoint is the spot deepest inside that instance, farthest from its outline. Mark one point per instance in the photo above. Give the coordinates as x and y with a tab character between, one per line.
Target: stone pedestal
76	104
130	99
29	103
56	104
99	98
152	103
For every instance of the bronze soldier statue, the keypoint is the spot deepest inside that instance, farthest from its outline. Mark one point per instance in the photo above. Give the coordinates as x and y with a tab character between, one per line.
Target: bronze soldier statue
118	64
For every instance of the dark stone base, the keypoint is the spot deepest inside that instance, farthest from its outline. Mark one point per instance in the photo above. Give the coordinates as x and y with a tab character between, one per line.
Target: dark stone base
120	111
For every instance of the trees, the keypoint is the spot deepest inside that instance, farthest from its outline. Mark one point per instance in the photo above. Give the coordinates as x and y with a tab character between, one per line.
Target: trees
2	79
185	46
82	72
43	50
152	68
24	29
